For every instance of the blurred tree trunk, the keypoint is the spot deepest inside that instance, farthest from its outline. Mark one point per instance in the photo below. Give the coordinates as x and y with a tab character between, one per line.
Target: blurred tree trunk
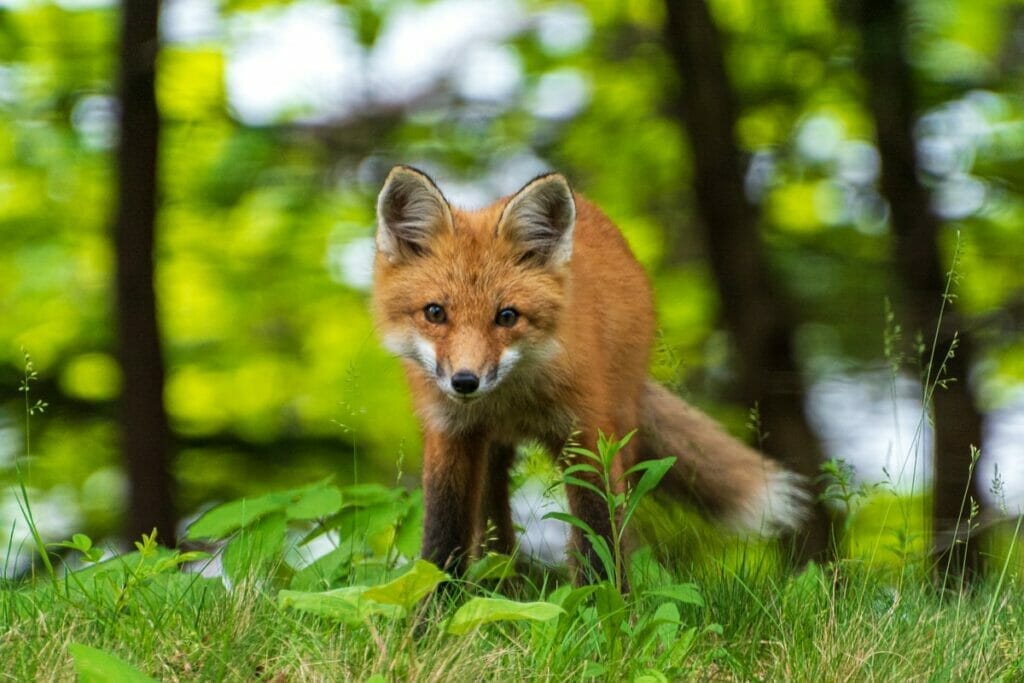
144	430
754	309
916	228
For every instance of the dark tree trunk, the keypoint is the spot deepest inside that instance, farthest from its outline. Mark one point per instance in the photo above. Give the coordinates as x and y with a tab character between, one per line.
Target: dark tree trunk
890	89
144	430
754	309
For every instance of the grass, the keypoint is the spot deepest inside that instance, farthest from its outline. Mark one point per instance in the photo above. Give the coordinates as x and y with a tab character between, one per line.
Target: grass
841	624
359	609
702	606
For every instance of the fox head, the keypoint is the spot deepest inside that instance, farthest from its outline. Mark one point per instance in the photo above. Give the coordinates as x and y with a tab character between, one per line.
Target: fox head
471	298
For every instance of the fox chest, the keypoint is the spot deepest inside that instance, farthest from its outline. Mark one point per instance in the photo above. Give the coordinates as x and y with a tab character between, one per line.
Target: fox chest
507	417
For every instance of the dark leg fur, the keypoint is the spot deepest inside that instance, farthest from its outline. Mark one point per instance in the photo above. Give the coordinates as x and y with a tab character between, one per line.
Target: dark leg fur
453	471
496	508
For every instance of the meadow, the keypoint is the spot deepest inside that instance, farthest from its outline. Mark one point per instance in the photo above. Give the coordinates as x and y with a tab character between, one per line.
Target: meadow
318	583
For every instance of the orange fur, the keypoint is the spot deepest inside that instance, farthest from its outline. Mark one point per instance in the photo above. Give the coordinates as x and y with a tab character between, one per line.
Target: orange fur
576	358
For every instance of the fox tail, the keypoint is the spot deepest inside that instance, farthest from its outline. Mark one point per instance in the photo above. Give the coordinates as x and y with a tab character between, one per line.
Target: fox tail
724	478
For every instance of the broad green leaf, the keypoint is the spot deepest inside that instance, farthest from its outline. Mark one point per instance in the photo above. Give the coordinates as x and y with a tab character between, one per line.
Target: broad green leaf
661	622
571	598
176	559
322	572
686	593
678	643
491	567
646	571
409	588
668	620
348	605
485	610
611	608
559	595
611	613
253	548
361	495
224	519
409	536
228	517
316	503
365	522
97	666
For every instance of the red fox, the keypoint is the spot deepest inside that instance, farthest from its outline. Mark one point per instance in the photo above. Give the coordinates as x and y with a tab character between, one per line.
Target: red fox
531	319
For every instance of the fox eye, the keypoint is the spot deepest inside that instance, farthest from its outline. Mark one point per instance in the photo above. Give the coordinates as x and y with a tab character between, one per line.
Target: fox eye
434	314
507	317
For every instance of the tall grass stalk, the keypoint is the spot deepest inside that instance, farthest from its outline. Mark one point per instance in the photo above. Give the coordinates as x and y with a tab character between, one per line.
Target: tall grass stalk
21	495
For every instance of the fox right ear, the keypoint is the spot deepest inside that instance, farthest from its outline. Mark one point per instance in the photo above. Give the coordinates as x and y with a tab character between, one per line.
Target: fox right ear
540	220
411	211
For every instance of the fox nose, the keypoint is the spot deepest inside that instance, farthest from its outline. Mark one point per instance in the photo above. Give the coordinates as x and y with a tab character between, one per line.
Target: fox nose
465	382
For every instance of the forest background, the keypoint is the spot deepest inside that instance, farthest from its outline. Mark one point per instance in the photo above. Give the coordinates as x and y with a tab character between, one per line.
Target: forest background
809	185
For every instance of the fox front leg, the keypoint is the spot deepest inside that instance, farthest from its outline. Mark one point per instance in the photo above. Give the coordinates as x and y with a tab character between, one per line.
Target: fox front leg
495	508
453	471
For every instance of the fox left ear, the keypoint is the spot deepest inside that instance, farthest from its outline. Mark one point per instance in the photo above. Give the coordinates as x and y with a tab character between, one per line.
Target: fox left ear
540	219
411	212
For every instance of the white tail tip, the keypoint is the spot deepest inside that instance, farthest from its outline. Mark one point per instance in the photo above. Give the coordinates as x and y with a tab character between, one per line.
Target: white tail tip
781	505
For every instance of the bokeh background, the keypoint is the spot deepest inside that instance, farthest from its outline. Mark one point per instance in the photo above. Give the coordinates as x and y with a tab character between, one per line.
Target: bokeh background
279	120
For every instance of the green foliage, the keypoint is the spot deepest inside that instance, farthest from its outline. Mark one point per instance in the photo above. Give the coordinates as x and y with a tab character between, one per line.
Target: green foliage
387	615
256	548
97	666
491	567
478	611
82	544
621	495
309	502
347	605
410	587
368	526
641	624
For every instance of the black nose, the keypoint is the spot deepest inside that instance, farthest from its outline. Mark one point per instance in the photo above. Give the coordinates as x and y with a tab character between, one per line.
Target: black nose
465	382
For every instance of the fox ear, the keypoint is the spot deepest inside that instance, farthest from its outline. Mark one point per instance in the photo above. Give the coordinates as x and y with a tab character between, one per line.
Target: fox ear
540	219
411	211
